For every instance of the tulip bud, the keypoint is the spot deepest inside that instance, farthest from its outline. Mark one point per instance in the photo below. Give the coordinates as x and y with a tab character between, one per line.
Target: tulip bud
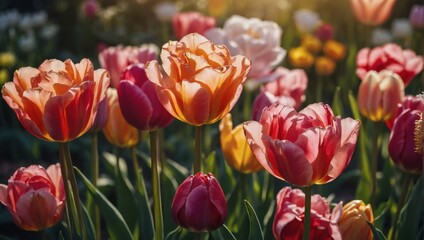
334	50
416	16
199	203
353	223
300	58
312	43
324	66
379	95
325	32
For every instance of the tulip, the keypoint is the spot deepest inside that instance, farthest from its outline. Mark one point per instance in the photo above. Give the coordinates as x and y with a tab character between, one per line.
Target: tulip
191	22
117	130
35	197
334	50
311	43
59	100
234	146
409	102
324	66
91	7
199	204
406	138
353	224
7	59
325	32
201	81
379	95
300	58
303	148
416	16
4	76
372	12
306	20
289	216
117	59
405	63
288	88
258	40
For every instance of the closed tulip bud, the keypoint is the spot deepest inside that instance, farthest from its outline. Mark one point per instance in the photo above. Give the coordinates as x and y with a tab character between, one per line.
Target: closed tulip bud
311	43
199	204
334	50
300	57
324	66
372	12
379	95
416	16
35	197
7	59
325	32
353	223
234	146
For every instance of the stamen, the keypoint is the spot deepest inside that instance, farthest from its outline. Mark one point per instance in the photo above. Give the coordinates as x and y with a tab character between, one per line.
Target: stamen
418	134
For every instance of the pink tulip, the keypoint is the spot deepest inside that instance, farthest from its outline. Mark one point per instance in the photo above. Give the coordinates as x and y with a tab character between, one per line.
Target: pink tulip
303	148
191	22
416	16
372	12
117	59
35	197
199	203
289	217
391	57
138	100
91	7
288	88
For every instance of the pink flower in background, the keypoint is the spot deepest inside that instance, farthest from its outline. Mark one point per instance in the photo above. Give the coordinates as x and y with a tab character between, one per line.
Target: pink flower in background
290	214
416	16
191	22
288	88
117	59
392	57
258	40
372	12
325	32
138	100
303	148
91	7
35	197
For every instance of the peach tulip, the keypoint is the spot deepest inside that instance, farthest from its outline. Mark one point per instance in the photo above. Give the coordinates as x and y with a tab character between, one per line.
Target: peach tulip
235	149
353	224
35	197
191	22
200	82
379	95
59	100
303	148
372	12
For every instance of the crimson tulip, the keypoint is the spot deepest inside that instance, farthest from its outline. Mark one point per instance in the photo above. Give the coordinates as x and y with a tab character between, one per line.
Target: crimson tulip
409	102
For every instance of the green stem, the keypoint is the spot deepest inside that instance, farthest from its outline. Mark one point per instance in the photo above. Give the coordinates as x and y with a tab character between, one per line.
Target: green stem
374	162
91	207
197	235
404	193
307	219
137	169
247	105
197	149
71	189
157	202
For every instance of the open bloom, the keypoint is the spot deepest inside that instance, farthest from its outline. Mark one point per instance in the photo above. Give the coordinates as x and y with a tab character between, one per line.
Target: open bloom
199	203
191	22
353	223
390	56
234	146
379	95
288	88
290	214
59	100
303	148
201	82
256	39
372	12
138	100
35	197
117	59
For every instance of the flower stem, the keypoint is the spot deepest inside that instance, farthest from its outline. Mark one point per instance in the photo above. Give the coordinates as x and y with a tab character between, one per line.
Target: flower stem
374	162
307	219
157	202
91	207
197	149
404	193
71	189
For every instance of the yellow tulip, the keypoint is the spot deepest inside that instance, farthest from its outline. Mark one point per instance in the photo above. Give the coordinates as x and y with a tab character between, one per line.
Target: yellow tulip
334	50
353	223
324	66
300	57
312	43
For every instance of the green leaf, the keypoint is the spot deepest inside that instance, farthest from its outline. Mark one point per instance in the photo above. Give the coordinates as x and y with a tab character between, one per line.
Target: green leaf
144	210
410	214
223	233
337	103
255	229
116	226
61	236
378	234
174	234
89	227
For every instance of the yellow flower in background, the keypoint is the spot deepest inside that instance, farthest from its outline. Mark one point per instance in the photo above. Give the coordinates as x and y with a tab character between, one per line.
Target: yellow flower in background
4	76
7	59
300	57
334	49
324	66
311	43
234	146
353	223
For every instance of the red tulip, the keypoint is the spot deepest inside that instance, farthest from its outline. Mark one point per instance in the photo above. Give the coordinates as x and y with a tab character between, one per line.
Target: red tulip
138	100
409	102
191	22
199	203
390	56
289	217
325	32
303	148
35	197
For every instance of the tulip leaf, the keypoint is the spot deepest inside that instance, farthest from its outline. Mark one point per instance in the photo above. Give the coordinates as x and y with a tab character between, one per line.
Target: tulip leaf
336	106
378	234
116	226
60	236
9	238
411	213
89	227
174	234
144	210
255	229
223	233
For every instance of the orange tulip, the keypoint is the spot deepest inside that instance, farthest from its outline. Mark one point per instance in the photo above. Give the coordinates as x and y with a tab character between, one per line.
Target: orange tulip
372	12
353	223
117	130
234	146
311	43
379	95
334	50
59	100
201	82
324	66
